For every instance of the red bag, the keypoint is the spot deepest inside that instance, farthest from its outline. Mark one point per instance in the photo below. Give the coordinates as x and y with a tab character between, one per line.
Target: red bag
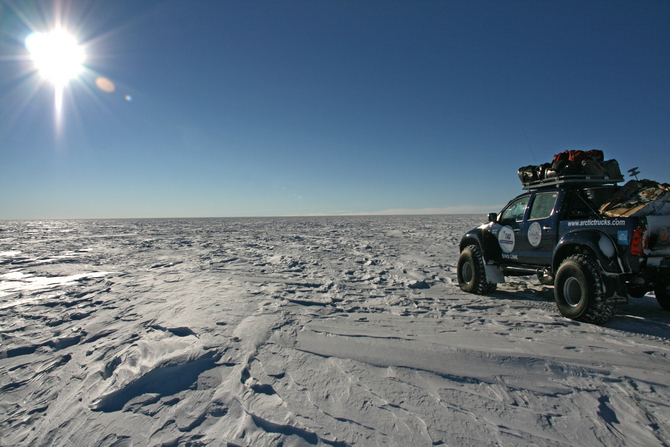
561	157
577	156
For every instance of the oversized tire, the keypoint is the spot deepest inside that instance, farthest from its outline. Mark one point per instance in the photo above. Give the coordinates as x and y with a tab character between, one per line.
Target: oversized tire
578	290
662	292
471	273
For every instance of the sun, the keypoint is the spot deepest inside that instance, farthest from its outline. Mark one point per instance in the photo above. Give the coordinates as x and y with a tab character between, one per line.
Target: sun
56	55
58	58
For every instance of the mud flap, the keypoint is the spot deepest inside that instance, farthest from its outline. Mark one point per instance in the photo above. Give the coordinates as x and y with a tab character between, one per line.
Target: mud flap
615	289
493	274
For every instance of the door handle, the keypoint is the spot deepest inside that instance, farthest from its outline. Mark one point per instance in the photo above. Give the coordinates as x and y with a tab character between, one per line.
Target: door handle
516	230
546	228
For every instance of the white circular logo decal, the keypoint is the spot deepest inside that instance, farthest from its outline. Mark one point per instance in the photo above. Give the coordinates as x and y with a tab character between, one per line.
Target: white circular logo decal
534	234
506	239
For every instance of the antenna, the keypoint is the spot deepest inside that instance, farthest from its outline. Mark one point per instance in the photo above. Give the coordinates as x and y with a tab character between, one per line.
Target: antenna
633	172
528	141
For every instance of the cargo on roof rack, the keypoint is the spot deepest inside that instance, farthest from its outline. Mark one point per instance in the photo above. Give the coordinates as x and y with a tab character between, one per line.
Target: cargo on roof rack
572	168
572	181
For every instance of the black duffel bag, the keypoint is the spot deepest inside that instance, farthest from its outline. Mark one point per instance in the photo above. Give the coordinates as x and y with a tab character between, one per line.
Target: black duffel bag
528	174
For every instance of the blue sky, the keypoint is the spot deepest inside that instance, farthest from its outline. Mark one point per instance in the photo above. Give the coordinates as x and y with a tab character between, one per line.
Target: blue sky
324	107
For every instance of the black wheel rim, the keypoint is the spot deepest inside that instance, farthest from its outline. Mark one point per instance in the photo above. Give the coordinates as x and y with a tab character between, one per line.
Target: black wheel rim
467	272
572	292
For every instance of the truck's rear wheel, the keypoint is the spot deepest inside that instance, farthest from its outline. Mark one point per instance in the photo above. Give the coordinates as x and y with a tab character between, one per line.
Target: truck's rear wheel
662	292
578	290
471	273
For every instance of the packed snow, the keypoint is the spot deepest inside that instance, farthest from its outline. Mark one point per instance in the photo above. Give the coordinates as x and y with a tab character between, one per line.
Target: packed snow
328	331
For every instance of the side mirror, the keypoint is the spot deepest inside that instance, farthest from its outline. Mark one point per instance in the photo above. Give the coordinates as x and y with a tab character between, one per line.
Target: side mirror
493	217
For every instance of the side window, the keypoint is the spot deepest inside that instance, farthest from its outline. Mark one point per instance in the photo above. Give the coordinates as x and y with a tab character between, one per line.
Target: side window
543	205
575	206
514	211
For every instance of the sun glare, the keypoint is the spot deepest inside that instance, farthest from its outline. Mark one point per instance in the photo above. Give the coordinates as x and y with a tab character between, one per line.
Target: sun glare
56	55
58	59
55	60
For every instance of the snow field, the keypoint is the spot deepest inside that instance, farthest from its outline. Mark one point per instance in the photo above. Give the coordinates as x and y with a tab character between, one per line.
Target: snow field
305	331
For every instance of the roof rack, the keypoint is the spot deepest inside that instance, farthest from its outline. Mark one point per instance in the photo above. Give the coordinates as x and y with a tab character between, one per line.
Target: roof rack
572	181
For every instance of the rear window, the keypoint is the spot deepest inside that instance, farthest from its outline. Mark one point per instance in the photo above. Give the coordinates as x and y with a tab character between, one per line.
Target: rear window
543	205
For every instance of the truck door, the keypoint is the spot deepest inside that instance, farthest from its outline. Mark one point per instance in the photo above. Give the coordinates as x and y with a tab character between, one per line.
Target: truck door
508	228
539	231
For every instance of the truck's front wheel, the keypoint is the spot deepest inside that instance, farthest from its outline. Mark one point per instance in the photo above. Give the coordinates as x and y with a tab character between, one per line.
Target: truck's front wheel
578	290
662	292
471	272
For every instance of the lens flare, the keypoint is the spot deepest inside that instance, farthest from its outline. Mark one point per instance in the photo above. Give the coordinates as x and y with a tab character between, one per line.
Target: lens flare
105	85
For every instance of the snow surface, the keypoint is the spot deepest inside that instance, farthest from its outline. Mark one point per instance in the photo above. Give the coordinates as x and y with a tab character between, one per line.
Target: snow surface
329	331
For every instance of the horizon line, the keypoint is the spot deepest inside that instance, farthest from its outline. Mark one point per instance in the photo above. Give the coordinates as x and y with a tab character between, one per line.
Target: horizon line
458	210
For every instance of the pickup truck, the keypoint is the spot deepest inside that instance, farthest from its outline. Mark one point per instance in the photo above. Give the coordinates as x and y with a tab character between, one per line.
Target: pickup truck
556	231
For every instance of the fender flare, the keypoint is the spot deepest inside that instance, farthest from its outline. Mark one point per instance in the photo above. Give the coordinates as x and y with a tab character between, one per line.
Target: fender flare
605	250
472	236
475	237
597	242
